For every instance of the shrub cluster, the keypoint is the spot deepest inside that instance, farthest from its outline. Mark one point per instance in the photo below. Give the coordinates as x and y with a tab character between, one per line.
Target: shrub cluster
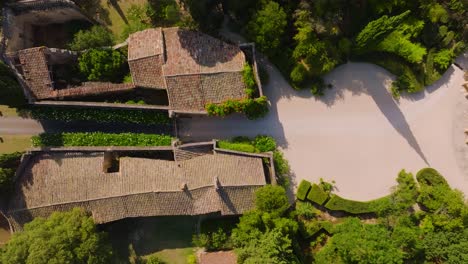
102	65
100	139
252	108
69	114
308	229
212	241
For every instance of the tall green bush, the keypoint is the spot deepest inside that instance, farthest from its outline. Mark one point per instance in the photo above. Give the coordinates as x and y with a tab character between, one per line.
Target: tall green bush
102	65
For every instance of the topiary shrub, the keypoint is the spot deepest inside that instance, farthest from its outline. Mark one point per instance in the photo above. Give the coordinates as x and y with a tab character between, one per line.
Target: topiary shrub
303	189
271	199
336	203
429	176
317	195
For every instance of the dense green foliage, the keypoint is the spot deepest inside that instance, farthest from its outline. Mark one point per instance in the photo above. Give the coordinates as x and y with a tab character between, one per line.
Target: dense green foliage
303	189
102	65
267	26
69	237
100	139
138	19
307	39
266	235
252	108
8	164
317	194
69	114
95	37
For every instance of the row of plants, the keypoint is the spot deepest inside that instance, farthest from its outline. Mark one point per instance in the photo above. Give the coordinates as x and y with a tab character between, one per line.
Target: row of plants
69	114
100	139
261	143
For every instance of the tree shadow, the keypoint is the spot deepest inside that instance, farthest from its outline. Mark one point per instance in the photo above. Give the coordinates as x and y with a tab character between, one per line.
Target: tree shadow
376	80
116	6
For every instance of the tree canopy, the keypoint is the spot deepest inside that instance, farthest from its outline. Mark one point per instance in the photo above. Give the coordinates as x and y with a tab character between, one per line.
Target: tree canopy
68	237
95	37
102	64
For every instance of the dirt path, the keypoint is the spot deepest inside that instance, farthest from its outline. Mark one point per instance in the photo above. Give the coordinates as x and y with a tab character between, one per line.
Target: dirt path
357	134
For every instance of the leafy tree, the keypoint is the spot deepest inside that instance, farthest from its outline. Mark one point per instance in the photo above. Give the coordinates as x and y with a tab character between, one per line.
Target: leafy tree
267	27
398	44
101	64
446	247
271	199
378	29
443	58
354	242
264	143
95	37
65	237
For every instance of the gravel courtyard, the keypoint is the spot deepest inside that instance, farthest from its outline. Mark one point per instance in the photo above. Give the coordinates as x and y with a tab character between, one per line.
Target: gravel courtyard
357	134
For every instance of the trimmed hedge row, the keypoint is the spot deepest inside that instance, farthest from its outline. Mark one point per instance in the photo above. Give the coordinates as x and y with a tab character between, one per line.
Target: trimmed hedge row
317	195
311	192
68	114
337	203
100	139
244	147
430	176
302	190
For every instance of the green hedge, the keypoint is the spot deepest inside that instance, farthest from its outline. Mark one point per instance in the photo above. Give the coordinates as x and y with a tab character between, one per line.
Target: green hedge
336	203
68	114
302	190
244	147
100	139
317	195
429	176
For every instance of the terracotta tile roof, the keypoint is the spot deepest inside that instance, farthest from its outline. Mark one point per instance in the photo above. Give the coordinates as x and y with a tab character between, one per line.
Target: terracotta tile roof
145	44
219	257
142	187
147	72
195	68
94	88
36	72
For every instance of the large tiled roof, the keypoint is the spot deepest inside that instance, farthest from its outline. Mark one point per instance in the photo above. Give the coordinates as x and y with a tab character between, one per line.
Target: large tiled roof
195	68
223	183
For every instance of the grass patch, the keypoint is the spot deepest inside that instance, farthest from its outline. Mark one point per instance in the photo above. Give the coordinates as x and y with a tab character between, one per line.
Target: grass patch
336	203
244	147
13	143
302	190
100	139
317	195
117	14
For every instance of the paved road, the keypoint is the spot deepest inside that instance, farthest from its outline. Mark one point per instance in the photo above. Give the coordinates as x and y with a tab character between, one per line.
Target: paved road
357	134
17	125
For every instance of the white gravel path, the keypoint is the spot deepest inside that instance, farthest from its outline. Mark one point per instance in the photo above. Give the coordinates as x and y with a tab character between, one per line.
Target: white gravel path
357	134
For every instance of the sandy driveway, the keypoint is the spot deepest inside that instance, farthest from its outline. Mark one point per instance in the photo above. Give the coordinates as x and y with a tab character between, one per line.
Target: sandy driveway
357	134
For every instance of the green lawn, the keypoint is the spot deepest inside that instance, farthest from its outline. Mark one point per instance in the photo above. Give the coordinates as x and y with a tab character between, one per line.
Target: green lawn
170	238
115	22
12	143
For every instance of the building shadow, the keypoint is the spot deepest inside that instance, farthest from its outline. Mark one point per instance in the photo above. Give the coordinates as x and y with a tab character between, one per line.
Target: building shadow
116	6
